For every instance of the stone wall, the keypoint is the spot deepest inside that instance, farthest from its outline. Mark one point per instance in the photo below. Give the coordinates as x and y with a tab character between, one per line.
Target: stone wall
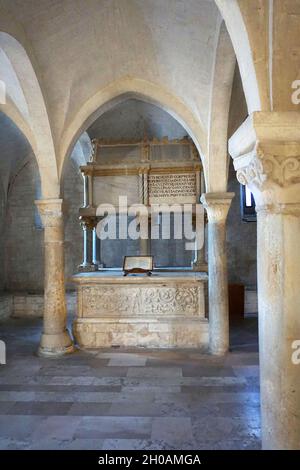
21	236
241	236
134	120
19	305
2	237
24	254
73	197
241	241
24	237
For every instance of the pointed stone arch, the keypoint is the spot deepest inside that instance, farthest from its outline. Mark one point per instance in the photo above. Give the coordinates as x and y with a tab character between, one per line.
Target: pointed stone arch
236	27
223	73
119	91
26	106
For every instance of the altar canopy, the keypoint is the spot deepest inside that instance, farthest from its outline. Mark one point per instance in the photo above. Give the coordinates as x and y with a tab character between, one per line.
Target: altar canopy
163	174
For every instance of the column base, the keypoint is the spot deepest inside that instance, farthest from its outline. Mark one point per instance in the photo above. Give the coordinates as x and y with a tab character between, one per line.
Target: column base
218	352
199	267
87	268
55	345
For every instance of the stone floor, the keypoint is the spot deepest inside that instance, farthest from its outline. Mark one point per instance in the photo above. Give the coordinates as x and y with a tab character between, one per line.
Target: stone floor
128	399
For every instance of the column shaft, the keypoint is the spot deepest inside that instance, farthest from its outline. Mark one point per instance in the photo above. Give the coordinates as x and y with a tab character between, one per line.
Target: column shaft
55	339
95	259
217	206
266	153
279	326
88	227
198	262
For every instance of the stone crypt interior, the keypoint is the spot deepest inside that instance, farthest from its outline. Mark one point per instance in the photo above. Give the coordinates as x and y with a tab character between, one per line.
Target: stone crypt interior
164	102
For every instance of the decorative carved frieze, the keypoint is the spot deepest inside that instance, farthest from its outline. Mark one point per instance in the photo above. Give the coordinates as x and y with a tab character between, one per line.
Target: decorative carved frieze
136	301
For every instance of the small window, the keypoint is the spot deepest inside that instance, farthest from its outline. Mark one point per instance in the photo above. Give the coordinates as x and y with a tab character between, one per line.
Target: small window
247	205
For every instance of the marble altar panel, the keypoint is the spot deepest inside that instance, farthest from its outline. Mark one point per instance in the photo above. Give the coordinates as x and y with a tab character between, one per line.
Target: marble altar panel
107	189
166	310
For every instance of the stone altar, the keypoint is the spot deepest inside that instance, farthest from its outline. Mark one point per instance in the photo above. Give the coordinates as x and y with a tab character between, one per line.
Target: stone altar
164	311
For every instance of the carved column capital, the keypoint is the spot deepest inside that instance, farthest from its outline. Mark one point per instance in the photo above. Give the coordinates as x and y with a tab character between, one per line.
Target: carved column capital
88	223
217	206
266	156
50	211
272	164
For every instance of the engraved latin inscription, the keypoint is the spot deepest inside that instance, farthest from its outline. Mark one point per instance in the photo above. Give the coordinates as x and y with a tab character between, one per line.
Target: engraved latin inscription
170	186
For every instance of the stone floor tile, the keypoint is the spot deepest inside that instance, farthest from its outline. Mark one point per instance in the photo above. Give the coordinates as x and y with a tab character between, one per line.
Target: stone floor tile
17	396
151	388
174	430
90	409
60	388
147	409
125	444
6	406
40	408
13	444
19	427
220	428
83	444
196	370
116	371
123	359
246	371
154	372
129	398
114	427
56	427
225	410
251	444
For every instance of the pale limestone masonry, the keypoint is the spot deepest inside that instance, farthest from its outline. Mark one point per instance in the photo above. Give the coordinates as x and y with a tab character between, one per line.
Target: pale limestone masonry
22	239
27	306
217	206
266	152
55	340
165	310
32	305
6	306
65	63
251	304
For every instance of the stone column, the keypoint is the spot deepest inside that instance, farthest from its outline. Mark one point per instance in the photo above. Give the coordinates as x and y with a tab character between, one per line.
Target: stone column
88	225
217	207
144	248
87	190
86	202
144	243
96	260
55	339
198	262
266	152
